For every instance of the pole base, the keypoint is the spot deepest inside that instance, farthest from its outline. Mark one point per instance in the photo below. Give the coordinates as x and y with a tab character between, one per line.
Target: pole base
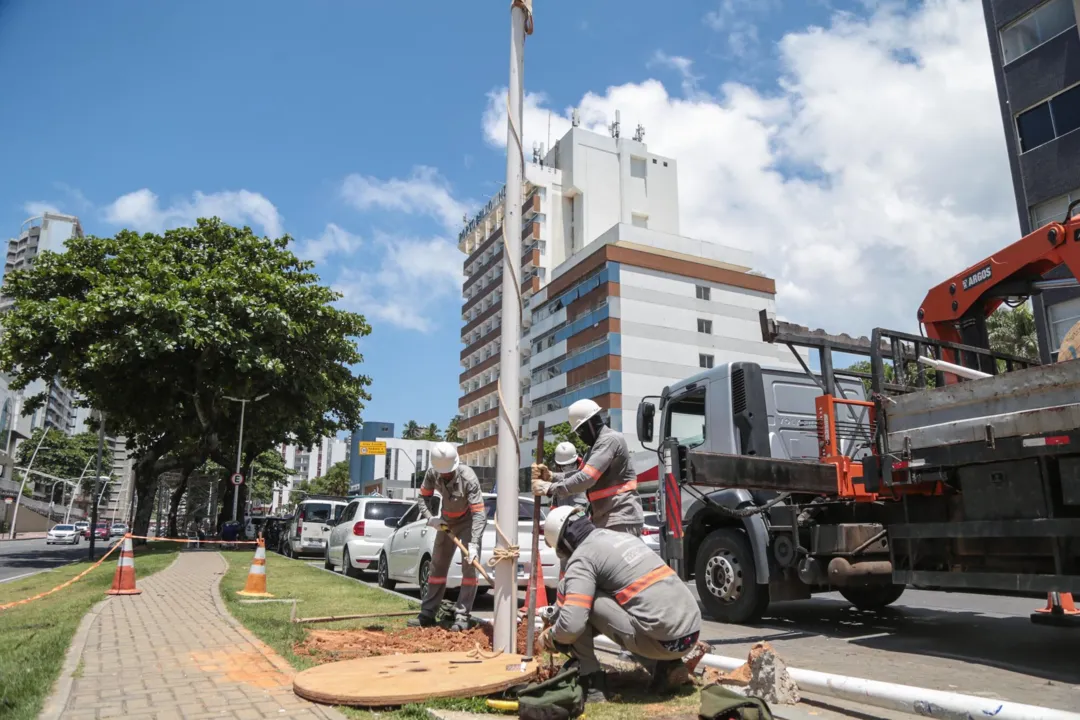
245	593
1056	619
124	592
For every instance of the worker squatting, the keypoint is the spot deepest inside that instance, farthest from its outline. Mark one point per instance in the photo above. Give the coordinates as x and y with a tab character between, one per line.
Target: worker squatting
612	582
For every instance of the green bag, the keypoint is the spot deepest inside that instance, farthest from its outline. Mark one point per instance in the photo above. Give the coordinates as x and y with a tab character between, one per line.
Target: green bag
719	703
559	698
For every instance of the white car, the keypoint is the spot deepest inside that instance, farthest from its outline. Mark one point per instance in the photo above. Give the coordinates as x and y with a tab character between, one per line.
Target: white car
118	530
406	555
650	533
310	525
358	536
62	535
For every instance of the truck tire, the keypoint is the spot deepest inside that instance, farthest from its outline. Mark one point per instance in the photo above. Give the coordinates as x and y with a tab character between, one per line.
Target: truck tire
727	578
872	597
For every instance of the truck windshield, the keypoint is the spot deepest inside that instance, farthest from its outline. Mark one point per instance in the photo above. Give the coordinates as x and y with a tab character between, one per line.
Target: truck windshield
685	418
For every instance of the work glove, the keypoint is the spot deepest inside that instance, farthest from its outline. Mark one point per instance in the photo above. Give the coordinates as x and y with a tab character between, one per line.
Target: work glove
541	480
438	523
474	554
546	641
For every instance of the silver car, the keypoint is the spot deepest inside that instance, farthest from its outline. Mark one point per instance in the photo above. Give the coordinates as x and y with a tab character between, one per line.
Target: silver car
650	533
62	535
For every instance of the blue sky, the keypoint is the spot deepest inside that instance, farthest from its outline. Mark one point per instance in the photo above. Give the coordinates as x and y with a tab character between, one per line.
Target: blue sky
364	129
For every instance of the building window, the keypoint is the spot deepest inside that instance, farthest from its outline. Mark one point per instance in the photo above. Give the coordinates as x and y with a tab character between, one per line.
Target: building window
1052	209
1041	24
704	326
705	361
1060	319
641	221
637	167
1049	120
703	292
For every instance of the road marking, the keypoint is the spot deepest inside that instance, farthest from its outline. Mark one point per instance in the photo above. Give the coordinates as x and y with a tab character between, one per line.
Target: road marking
24	575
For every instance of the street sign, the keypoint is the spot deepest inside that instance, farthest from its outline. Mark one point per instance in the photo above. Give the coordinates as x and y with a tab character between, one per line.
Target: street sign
8	500
237	479
371	448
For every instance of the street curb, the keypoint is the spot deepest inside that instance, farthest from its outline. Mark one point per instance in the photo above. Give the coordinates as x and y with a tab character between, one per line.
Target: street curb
57	700
268	652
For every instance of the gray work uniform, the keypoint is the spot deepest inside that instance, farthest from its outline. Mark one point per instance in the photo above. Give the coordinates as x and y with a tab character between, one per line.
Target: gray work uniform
609	482
464	514
616	586
577	499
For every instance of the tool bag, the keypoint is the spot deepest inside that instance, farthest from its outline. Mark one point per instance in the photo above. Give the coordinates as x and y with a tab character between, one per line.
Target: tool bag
559	698
719	703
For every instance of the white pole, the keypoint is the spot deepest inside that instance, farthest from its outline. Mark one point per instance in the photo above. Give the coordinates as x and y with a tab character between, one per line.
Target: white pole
11	427
26	474
78	487
507	460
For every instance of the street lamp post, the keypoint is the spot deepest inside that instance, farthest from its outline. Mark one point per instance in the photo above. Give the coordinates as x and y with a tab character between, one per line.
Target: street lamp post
52	494
97	474
26	474
240	445
78	487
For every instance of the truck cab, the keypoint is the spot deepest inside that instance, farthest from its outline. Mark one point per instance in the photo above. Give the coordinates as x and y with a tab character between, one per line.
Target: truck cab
737	408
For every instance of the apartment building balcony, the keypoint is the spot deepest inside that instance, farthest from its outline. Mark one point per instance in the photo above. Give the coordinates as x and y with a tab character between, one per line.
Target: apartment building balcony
478	419
479	319
477	368
479	393
478	445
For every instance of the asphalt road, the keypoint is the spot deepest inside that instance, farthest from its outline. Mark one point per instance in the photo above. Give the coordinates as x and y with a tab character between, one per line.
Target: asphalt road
26	557
975	644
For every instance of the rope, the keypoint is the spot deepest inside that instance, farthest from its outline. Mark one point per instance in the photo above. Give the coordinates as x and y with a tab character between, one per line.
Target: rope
526	7
500	554
73	580
480	653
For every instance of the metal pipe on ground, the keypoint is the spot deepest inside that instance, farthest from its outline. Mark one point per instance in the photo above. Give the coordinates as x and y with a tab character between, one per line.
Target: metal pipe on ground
891	696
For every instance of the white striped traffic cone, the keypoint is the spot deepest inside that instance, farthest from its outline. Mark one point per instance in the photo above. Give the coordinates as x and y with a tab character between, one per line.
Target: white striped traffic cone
256	579
124	579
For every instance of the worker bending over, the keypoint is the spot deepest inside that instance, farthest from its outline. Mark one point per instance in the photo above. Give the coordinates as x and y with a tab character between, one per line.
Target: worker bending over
463	516
567	462
607	477
616	586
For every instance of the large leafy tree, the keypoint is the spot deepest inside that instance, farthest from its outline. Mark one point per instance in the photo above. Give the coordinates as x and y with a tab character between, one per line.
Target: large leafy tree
452	430
431	432
268	472
1012	331
63	456
558	434
157	330
334	482
412	431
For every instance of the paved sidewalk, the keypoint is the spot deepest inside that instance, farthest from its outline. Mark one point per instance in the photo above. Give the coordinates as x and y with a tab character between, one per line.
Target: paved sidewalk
174	652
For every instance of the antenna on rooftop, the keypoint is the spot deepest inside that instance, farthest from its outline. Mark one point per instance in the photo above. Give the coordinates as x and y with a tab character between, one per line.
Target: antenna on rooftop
614	127
575	118
639	134
536	154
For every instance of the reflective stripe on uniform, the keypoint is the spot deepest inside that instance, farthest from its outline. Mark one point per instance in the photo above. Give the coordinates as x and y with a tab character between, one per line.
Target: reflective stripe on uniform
478	508
647	580
591	472
436	581
427	493
579	600
612	491
559	598
452	514
468	581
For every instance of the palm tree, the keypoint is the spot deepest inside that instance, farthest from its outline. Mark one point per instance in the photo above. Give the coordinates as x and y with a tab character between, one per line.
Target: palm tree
452	430
1012	331
412	431
431	432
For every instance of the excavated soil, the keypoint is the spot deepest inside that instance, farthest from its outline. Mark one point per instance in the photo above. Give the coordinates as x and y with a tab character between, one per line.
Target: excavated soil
324	646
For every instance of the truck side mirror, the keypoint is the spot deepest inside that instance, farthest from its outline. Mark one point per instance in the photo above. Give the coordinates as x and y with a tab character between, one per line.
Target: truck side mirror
645	413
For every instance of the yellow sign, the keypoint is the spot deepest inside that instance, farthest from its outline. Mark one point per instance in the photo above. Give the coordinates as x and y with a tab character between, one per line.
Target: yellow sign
371	448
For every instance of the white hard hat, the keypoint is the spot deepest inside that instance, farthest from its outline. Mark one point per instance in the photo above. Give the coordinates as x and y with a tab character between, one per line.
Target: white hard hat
565	453
444	458
555	522
581	411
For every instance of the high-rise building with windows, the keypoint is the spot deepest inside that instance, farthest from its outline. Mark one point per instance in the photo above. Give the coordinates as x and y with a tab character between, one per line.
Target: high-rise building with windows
618	303
1034	45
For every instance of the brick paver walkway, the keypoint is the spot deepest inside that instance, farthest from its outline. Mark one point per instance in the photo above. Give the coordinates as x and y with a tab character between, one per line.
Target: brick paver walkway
172	653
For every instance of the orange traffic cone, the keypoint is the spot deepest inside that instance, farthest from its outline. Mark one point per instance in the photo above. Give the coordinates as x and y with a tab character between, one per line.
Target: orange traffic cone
123	582
541	589
1060	610
256	579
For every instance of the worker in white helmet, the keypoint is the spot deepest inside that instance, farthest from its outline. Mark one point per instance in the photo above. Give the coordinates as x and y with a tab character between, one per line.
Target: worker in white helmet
464	516
616	586
568	461
606	476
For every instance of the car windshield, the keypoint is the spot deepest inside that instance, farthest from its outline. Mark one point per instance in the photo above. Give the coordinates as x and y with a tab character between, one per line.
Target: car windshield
64	527
385	510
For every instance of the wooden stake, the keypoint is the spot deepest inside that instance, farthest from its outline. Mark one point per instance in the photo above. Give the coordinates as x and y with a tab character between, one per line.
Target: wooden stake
368	616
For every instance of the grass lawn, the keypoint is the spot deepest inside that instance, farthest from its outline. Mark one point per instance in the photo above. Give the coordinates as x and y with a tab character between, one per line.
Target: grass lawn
321	594
34	637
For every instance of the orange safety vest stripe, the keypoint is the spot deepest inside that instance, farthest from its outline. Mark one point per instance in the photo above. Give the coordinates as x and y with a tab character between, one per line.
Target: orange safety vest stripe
477	507
451	513
591	472
579	600
427	493
649	579
611	491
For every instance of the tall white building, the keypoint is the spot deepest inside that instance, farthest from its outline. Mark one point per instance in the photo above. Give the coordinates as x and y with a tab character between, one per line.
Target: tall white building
308	463
618	302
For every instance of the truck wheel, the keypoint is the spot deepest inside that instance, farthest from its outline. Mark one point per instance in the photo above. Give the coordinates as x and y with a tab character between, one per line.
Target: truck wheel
727	579
872	597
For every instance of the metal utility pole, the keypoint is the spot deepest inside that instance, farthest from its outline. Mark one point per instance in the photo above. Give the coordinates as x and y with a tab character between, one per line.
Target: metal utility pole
26	474
508	448
240	445
97	498
78	487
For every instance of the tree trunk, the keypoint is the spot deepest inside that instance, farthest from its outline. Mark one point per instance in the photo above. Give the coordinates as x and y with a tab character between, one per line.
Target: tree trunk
174	504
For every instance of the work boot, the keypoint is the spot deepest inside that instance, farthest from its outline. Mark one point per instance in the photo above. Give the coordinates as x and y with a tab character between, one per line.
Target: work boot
667	676
421	621
461	624
595	687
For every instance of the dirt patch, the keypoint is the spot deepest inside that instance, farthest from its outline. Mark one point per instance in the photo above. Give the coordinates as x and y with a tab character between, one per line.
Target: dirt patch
331	645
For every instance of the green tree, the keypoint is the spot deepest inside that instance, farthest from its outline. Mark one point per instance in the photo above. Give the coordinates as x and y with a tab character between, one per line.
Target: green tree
863	366
431	432
452	430
558	434
156	330
62	456
1012	331
412	431
268	472
334	482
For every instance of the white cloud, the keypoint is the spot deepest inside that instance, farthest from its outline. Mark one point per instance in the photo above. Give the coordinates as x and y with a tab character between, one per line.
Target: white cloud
414	278
423	192
735	18
142	211
875	168
36	208
682	65
333	241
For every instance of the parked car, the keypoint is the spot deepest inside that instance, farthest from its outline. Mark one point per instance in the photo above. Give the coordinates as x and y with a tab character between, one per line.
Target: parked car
650	533
101	532
406	554
118	530
62	535
358	535
310	525
83	528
